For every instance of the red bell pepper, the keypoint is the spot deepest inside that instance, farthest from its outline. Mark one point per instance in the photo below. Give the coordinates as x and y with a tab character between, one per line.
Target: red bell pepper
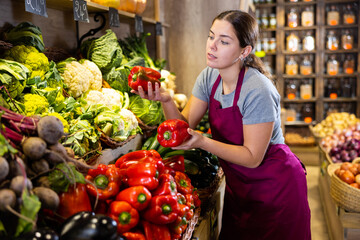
137	235
124	214
167	185
141	76
144	174
162	209
188	212
197	201
179	225
156	231
136	156
75	200
175	162
172	132
183	183
138	196
190	200
106	178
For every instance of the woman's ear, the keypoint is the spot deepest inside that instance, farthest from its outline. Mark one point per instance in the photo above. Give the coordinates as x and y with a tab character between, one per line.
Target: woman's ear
246	51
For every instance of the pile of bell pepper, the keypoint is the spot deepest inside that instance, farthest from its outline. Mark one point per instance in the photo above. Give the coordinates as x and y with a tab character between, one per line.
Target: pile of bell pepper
147	197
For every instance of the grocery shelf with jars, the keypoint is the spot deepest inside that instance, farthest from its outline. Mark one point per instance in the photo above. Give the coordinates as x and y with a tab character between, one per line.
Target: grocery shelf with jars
316	60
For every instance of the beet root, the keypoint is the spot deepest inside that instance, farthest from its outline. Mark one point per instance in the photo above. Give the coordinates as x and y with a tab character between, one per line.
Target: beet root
34	147
50	129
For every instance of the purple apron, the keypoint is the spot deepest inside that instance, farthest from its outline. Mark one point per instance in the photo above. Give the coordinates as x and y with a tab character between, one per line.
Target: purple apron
267	202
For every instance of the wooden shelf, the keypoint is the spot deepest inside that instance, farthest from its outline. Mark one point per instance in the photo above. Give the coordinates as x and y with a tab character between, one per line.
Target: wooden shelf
299	123
299	100
300	28
299	76
341	75
67	5
340	99
299	52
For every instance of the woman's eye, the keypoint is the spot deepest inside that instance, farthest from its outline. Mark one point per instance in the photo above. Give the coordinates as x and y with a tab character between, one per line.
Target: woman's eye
211	37
224	43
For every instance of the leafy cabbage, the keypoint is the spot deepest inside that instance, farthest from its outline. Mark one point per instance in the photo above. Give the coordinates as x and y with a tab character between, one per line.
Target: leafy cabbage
149	112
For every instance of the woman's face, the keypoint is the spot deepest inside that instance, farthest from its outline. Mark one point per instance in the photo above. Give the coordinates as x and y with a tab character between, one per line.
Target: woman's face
222	48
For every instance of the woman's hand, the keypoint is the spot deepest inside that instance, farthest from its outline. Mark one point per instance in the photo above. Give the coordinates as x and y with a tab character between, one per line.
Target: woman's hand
196	140
157	94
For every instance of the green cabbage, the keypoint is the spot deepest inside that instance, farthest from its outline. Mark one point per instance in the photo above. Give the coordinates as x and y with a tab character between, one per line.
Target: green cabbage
104	51
13	76
149	112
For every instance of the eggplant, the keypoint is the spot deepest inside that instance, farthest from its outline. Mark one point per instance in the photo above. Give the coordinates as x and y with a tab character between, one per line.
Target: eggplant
87	226
41	234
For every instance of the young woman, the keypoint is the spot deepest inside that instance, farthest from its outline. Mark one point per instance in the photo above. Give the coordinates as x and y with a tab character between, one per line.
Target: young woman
266	191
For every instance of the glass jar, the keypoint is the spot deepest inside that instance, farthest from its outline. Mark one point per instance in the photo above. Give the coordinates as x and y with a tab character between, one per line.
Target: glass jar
349	15
308	42
292	42
307	113
333	16
332	67
306	89
264	20
293	18
347	40
291	89
331	109
332	89
258	17
272	20
349	64
272	44
265	45
291	67
347	88
307	17
306	66
290	114
268	67
332	42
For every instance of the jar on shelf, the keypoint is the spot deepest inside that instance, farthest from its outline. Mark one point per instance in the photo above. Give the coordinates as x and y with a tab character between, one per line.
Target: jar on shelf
307	113
347	40
332	66
265	45
306	66
306	89
331	109
332	41
291	67
264	20
268	67
349	64
272	44
349	15
307	17
291	113
258	46
272	20
346	88
292	42
291	89
332	89
308	43
258	17
293	18
333	16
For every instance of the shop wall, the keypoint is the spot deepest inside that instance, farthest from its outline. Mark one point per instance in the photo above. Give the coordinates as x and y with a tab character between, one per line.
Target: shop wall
190	22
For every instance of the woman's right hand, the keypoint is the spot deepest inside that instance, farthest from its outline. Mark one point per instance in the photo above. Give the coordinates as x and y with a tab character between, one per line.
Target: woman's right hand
157	94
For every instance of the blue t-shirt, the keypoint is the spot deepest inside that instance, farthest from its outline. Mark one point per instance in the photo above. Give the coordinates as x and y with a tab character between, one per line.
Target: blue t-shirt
259	99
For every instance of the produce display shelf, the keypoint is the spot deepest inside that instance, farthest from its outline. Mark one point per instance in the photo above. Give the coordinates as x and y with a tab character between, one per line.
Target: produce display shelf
67	5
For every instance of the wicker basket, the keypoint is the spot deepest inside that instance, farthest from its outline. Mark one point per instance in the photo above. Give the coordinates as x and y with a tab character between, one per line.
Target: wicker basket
206	194
342	193
187	235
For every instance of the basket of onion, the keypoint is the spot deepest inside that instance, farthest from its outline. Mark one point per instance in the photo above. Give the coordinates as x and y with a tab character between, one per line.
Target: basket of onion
345	184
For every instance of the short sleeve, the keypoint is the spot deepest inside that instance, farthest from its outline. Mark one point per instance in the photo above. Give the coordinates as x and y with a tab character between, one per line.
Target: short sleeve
204	83
261	102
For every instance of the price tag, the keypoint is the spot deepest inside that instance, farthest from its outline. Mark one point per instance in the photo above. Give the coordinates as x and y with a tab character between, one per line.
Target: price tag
139	27
114	17
158	29
36	6
80	11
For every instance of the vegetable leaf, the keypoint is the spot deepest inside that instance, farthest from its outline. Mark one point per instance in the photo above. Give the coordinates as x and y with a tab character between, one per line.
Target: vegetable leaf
29	208
61	178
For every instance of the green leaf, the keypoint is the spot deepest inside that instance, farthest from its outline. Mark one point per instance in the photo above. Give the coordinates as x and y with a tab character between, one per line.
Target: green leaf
2	229
61	178
29	208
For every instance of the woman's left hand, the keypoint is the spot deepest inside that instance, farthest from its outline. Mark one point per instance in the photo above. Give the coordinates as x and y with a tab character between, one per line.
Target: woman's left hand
194	141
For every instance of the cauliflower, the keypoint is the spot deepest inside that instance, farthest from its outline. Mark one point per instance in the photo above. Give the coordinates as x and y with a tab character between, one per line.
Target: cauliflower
35	61
130	119
35	104
96	80
76	77
107	96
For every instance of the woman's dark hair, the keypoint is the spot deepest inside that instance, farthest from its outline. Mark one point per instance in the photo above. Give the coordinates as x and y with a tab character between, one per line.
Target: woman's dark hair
247	31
